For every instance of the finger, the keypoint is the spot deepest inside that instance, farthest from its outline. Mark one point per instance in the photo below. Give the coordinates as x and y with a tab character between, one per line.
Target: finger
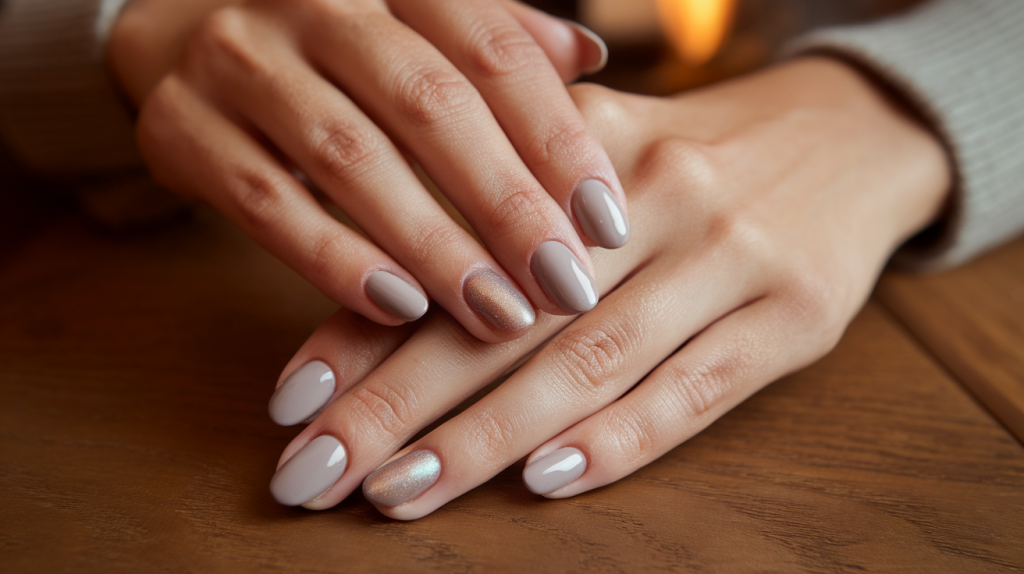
192	148
585	367
339	354
530	102
426	105
425	378
719	369
356	165
572	48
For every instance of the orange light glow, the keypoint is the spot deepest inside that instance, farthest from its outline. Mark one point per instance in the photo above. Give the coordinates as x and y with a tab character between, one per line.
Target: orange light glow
696	28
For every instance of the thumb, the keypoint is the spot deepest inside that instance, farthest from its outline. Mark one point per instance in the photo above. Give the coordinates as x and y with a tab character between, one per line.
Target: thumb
572	48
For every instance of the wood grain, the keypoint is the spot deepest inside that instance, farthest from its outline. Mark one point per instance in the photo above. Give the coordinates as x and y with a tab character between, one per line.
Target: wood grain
971	319
134	375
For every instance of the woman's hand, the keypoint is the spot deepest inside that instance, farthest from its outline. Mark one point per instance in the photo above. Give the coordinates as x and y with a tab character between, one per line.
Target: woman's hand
763	211
237	98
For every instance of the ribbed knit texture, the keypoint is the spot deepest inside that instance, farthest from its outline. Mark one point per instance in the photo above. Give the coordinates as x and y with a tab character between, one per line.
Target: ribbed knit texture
961	64
59	111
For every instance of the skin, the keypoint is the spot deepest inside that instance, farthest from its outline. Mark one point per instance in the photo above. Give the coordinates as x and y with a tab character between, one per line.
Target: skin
763	209
237	97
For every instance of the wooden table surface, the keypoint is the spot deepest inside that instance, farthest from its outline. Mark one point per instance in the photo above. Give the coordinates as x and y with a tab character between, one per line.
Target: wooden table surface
135	372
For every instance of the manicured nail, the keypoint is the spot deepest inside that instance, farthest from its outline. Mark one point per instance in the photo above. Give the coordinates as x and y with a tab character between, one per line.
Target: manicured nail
310	472
497	301
600	215
396	296
554	470
563	277
594	55
402	479
302	394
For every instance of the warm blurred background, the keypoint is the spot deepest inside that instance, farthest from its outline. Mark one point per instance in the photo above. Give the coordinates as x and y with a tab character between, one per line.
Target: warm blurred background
665	46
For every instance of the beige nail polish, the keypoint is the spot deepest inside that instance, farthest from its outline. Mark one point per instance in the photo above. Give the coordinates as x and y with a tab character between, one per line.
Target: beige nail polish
402	479
563	277
599	215
554	470
302	394
309	472
496	301
395	296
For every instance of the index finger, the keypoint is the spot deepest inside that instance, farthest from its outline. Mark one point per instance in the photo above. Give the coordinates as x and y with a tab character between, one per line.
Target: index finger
502	61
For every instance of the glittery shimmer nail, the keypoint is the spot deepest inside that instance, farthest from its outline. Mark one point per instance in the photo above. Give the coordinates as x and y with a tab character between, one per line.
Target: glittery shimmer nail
497	301
402	479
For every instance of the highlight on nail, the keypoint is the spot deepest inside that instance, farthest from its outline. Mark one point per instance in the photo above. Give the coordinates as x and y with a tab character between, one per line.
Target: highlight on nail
599	215
395	296
497	301
303	394
402	479
309	472
554	470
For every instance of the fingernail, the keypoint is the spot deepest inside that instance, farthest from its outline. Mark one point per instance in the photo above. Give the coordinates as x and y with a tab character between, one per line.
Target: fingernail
594	55
310	472
396	296
563	277
403	479
302	394
600	215
554	470
497	301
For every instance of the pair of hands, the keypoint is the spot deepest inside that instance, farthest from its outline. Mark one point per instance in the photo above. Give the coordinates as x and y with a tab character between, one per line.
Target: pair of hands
246	105
762	210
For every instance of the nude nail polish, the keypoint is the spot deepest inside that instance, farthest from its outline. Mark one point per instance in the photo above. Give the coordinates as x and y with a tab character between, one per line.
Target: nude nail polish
402	479
599	215
302	394
310	472
563	277
594	54
554	470
395	296
497	302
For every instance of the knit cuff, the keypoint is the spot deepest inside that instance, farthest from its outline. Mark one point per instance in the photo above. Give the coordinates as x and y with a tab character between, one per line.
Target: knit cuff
59	111
961	64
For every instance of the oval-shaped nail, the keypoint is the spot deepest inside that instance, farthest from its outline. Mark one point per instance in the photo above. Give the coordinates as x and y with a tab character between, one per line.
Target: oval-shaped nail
563	277
593	50
496	301
396	296
600	215
302	394
554	470
310	472
402	479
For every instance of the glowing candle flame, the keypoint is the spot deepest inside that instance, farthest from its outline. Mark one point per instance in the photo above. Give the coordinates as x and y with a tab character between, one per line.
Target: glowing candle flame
696	28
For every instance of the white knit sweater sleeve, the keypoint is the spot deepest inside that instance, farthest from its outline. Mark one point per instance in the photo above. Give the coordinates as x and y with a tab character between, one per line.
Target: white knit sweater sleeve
961	64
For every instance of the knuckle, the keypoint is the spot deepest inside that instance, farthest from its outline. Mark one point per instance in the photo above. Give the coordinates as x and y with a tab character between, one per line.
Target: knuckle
522	205
224	38
597	104
429	240
344	151
690	164
493	437
815	302
431	97
385	411
501	50
698	388
591	356
257	198
633	436
567	140
328	248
